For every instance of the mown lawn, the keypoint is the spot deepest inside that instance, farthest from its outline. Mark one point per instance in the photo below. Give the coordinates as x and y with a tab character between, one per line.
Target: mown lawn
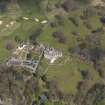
66	72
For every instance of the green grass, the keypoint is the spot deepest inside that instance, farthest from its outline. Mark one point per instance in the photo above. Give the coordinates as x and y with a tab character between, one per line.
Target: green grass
67	74
31	9
95	22
22	28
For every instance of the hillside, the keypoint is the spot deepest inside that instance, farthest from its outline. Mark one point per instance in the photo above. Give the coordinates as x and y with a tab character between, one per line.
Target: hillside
63	40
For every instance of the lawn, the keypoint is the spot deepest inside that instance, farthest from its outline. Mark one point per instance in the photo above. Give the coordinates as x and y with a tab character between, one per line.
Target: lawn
67	75
66	72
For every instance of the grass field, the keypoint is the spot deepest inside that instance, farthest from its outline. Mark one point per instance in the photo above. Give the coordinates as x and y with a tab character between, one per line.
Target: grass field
66	72
21	28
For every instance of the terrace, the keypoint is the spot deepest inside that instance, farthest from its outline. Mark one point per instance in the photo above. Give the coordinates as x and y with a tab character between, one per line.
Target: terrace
30	64
52	54
19	57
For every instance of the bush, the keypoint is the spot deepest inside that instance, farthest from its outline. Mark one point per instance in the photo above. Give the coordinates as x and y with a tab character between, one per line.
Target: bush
60	36
69	5
10	45
35	34
3	6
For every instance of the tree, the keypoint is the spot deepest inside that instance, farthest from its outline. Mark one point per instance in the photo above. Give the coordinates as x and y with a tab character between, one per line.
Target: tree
54	92
102	19
17	39
95	95
74	21
96	54
83	1
14	1
35	34
29	56
59	36
82	88
60	19
3	6
10	45
69	5
86	74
